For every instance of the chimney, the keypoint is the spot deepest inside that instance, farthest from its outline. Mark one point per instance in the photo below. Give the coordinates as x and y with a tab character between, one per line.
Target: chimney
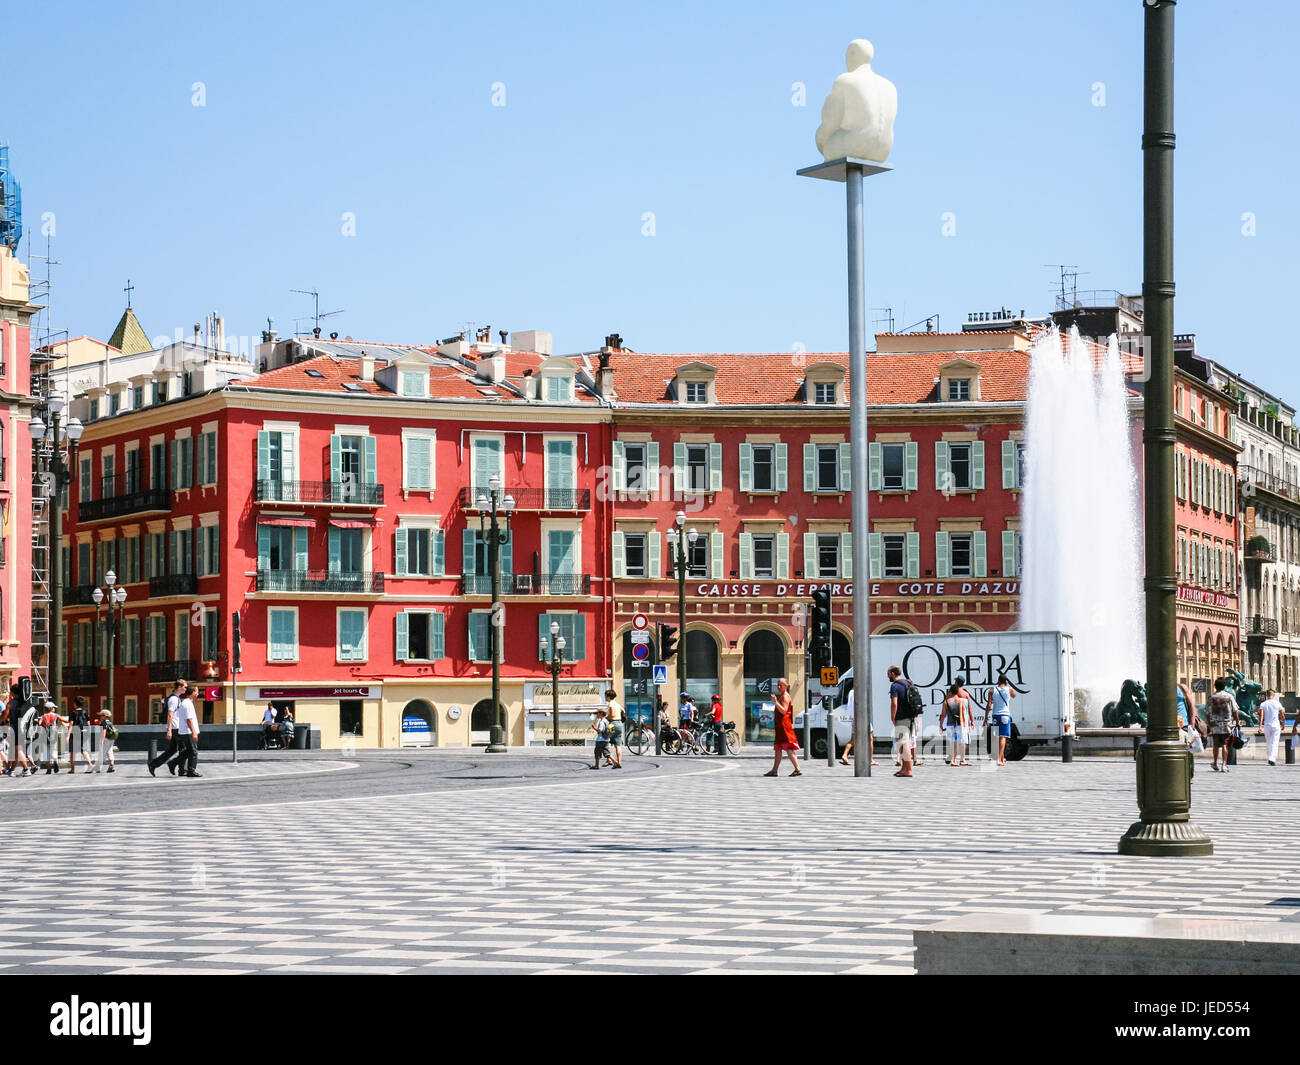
367	367
197	330
492	368
605	377
220	342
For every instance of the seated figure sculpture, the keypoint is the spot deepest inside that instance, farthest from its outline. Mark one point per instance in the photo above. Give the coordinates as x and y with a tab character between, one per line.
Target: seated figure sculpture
1247	694
858	115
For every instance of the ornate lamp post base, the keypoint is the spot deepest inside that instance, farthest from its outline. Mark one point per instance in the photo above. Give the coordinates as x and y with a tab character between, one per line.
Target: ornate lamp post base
496	741
1164	777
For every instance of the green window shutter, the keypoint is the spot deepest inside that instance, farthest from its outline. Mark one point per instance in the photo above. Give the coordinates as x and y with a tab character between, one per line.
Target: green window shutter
651	483
941	481
783	556
846	555
715	467
403	637
910	463
620	466
809	468
1009	464
437	636
715	555
654	548
175	468
1010	567
782	467
468	541
508	564
977	464
212	458
300	549
846	467
263	548
620	557
479	644
263	455
334	550
439	553
746	553
810	555
941	554
579	641
418	464
913	555
746	468
679	467
399	552
876	465
876	549
543	635
371	459
981	554
336	459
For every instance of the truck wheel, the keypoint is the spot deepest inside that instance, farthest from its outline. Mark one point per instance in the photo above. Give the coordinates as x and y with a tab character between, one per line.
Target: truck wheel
818	743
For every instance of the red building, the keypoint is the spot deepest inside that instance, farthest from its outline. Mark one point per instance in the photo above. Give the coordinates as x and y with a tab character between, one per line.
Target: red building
334	503
753	449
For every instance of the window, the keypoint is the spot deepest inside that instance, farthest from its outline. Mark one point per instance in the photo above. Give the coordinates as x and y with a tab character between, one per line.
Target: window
208	458
417	463
893	469
277	464
129	642
763	457
129	560
421	636
209	550
84	574
561	473
958	389
282	645
155	643
419	552
160	392
486	458
350	717
895	554
480	636
415	383
211	634
824	392
959	466
83	480
558	388
155	554
763	467
92	410
347	550
132	471
764	547
697	467
182	623
352	636
347	460
697	556
108	470
573	627
697	391
182	551
114	402
961	555
828	468
158	466
476	561
1020	463
183	462
634	465
828	555
137	397
764	555
635	555
281	547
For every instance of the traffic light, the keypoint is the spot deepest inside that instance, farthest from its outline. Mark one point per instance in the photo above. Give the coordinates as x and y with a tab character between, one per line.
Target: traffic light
819	639
234	642
667	642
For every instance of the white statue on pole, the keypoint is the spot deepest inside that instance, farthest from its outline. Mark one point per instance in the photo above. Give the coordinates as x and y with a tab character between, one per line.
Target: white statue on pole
858	115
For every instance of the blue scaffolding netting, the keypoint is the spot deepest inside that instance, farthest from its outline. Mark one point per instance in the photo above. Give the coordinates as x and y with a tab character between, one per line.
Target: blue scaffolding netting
11	204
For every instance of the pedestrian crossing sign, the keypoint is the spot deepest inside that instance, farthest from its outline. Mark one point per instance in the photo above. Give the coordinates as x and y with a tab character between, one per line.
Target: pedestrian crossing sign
661	674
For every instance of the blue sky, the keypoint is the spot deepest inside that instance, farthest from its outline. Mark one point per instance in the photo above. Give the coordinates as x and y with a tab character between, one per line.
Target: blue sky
531	215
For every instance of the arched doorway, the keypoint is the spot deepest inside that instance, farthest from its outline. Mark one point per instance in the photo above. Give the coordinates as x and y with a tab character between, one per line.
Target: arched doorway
841	651
419	726
764	665
701	667
480	723
638	688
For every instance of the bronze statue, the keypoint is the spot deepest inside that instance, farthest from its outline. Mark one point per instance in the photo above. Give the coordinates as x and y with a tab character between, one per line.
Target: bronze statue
1247	694
1131	709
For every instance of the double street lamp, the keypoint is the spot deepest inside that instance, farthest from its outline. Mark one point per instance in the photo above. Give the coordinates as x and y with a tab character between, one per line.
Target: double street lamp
556	646
679	540
491	506
116	597
56	476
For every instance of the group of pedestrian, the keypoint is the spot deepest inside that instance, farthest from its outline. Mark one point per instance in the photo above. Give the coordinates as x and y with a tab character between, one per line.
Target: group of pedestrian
608	727
182	754
30	737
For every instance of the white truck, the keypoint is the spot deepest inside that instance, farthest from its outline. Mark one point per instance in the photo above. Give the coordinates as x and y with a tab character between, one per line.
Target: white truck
1040	666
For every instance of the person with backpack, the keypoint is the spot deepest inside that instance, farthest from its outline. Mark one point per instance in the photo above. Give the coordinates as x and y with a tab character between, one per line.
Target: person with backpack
999	707
172	755
79	735
905	706
107	737
50	722
17	719
1224	717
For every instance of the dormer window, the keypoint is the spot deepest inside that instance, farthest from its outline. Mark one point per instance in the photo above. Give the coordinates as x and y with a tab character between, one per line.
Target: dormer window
697	391
958	382
824	392
958	389
415	383
694	384
823	384
557	388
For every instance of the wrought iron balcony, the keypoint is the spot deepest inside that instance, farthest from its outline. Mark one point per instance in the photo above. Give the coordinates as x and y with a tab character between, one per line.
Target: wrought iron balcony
80	676
342	582
163	672
1260	554
562	584
336	492
121	495
481	584
1254	480
533	498
173	584
1261	627
78	595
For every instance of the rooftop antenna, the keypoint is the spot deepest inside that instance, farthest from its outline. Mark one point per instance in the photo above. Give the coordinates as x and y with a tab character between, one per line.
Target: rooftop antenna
926	322
316	314
888	317
1069	283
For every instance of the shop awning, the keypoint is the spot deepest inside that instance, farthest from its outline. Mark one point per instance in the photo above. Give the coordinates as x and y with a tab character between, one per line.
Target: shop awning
348	523
294	523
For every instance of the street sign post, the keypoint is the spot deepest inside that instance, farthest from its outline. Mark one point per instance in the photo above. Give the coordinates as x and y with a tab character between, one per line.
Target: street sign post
640	639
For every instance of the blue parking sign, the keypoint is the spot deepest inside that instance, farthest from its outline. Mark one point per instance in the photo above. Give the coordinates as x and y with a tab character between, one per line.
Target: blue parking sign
661	674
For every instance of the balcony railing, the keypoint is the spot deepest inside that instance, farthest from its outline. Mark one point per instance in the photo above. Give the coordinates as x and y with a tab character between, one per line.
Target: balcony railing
173	584
323	581
562	584
116	500
1253	479
163	672
533	498
78	595
339	492
528	584
80	676
481	584
1260	554
1261	626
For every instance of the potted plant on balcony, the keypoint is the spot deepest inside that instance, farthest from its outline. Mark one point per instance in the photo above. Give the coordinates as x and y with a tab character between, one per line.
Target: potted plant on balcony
1257	547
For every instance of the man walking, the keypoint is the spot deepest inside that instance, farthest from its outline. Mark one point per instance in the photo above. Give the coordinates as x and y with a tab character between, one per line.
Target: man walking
904	706
79	735
1271	719
187	722
171	755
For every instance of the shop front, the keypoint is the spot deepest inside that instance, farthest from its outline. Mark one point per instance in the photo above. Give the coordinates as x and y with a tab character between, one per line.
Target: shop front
346	715
578	701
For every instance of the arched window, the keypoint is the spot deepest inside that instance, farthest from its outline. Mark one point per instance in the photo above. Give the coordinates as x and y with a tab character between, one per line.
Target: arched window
764	665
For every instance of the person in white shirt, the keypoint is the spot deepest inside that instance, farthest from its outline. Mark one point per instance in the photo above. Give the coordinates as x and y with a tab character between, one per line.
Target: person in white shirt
107	738
871	738
187	726
1271	719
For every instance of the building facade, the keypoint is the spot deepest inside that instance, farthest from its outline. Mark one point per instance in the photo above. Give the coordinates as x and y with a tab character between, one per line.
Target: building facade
16	313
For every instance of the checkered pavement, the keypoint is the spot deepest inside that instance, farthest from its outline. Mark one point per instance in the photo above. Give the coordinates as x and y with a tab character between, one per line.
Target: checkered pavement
709	867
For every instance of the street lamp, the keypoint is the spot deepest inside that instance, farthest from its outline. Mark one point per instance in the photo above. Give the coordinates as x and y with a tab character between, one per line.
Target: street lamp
56	474
556	647
495	537
678	539
116	597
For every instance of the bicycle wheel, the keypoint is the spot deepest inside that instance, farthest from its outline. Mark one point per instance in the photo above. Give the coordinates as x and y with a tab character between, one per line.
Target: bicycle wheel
733	744
636	741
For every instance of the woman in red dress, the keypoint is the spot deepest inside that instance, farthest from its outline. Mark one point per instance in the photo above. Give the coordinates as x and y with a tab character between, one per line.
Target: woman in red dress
785	740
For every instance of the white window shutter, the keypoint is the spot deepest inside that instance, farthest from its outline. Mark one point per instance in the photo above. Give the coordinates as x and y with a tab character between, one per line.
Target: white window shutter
911	463
654	548
875	466
746	468
679	467
1009	464
876	551
715	467
846	555
846	467
810	555
809	468
620	558
651	481
715	554
1010	564
620	467
941	482
977	465
913	555
941	554
783	556
981	552
403	637
782	467
746	553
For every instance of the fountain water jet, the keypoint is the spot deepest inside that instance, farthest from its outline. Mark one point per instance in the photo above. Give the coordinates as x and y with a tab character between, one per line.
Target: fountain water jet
1082	565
